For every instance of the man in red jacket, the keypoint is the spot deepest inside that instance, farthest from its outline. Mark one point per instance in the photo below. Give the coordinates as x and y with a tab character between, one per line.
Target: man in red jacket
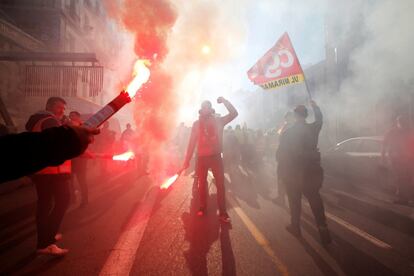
207	134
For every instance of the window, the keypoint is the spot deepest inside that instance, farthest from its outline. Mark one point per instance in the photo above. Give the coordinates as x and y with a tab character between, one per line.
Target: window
371	146
349	146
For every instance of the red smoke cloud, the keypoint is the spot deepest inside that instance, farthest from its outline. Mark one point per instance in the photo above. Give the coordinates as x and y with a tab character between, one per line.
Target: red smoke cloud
156	111
150	22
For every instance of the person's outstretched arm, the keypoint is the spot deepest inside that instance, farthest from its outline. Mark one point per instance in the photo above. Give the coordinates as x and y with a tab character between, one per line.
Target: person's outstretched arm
318	115
28	152
232	111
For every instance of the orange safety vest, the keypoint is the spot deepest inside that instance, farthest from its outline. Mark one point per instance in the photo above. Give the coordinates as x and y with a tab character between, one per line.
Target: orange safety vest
65	168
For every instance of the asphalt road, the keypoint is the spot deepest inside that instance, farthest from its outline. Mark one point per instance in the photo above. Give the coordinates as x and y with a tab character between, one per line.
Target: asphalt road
132	227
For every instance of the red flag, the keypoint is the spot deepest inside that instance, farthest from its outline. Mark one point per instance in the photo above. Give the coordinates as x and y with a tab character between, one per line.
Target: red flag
278	67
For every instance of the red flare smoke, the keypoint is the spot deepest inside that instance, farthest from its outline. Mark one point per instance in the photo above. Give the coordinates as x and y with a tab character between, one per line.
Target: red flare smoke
141	75
151	22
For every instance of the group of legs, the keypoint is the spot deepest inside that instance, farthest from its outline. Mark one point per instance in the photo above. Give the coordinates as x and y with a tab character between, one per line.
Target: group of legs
53	193
293	189
309	188
215	163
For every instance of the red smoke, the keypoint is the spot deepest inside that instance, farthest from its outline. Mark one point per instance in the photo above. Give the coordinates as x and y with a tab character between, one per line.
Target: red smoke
150	21
155	113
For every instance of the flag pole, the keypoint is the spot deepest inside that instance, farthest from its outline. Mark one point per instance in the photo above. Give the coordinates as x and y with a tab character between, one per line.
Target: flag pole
307	87
304	77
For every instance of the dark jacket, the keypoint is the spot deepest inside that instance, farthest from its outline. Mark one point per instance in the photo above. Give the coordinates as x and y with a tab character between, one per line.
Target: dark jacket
25	153
298	154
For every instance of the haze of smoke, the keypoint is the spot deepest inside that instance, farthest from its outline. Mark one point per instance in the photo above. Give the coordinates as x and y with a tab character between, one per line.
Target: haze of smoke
174	84
151	22
373	40
221	25
375	83
375	34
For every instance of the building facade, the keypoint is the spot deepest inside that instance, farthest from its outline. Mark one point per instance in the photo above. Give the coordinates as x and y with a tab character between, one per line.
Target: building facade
57	48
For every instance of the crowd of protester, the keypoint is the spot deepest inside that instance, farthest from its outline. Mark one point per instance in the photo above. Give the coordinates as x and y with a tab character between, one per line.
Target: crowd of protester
67	167
241	145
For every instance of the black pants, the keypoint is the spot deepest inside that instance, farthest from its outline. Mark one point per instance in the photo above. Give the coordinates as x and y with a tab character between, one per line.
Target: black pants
80	175
281	186
215	163
53	196
295	203
403	179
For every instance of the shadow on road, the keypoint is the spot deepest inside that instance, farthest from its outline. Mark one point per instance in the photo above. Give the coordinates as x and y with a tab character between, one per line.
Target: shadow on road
352	260
18	226
201	233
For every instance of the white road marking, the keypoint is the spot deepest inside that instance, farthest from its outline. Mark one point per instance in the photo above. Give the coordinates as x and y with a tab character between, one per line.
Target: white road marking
249	171
122	256
356	230
227	176
258	236
359	232
243	171
322	252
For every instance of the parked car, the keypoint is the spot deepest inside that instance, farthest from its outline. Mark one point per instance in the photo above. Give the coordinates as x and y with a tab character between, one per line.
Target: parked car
358	160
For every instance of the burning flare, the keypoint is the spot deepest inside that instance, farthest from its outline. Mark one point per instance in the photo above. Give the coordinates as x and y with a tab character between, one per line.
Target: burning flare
141	75
124	156
167	183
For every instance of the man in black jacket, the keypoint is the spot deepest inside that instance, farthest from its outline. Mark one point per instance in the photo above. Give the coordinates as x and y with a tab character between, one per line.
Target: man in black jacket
302	172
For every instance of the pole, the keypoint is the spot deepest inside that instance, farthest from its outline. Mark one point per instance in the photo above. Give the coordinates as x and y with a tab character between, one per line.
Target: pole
304	77
307	87
108	110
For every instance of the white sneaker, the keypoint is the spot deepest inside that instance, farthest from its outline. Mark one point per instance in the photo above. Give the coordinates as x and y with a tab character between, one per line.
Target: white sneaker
52	250
58	237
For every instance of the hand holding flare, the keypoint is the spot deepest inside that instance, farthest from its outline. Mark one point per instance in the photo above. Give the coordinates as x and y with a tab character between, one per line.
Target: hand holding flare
167	183
124	156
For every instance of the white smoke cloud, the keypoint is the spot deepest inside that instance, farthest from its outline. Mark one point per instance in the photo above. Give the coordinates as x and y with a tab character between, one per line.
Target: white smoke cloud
375	37
380	67
219	25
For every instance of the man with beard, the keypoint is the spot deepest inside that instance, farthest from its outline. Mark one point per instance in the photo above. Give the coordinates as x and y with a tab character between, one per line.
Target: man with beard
302	174
207	135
